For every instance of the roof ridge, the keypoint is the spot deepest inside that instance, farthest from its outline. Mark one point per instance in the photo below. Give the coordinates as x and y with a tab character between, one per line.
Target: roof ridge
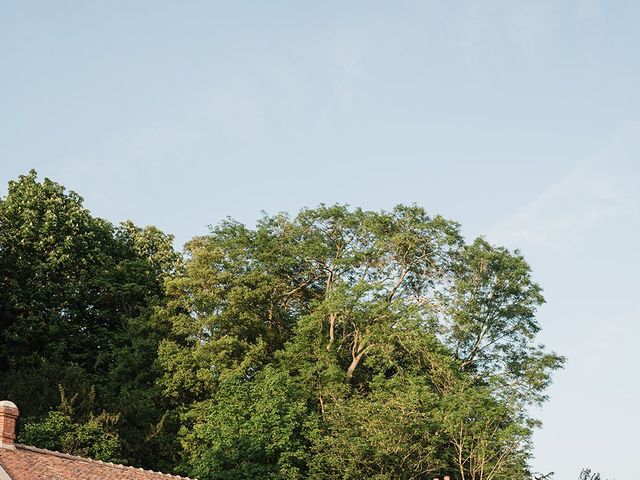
44	451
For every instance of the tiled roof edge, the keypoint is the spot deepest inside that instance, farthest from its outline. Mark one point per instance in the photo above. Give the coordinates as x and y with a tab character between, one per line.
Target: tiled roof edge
44	451
3	474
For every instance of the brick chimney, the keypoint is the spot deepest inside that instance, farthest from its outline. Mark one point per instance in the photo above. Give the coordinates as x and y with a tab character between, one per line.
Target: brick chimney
9	414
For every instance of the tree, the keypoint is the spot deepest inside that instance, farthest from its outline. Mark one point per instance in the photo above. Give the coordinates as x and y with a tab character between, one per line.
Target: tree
76	310
587	474
396	331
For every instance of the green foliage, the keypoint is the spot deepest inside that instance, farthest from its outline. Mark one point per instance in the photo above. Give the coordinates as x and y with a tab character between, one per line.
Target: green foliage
337	344
491	324
69	282
391	433
487	438
413	352
67	430
76	302
252	429
59	432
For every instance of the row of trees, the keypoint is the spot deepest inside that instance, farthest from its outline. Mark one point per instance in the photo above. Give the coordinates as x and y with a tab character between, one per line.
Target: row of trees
339	343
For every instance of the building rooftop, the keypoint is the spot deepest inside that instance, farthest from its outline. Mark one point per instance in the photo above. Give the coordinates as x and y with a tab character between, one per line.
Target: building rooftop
22	462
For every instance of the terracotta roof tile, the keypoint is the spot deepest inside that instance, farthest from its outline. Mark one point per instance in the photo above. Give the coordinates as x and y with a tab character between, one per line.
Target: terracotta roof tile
30	463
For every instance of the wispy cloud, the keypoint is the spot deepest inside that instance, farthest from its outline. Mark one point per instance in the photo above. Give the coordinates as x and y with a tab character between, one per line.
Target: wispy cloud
522	24
592	193
524	28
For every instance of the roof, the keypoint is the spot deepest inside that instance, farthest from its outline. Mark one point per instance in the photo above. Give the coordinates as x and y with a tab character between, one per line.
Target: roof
30	463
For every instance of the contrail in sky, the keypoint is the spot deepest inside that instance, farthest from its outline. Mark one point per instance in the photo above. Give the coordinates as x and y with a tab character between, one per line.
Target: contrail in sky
323	116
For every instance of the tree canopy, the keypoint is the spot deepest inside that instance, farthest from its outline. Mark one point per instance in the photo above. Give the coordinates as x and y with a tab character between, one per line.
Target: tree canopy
76	302
412	351
337	343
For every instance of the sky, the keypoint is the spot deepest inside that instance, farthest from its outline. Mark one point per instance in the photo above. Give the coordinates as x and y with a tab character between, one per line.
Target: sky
519	119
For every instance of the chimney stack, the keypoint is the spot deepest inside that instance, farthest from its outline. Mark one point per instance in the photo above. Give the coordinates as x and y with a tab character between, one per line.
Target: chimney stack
9	414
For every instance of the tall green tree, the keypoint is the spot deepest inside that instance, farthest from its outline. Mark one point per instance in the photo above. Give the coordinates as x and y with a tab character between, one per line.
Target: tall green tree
397	332
76	309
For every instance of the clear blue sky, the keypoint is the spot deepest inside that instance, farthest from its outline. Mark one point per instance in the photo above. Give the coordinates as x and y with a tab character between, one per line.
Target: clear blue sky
520	119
